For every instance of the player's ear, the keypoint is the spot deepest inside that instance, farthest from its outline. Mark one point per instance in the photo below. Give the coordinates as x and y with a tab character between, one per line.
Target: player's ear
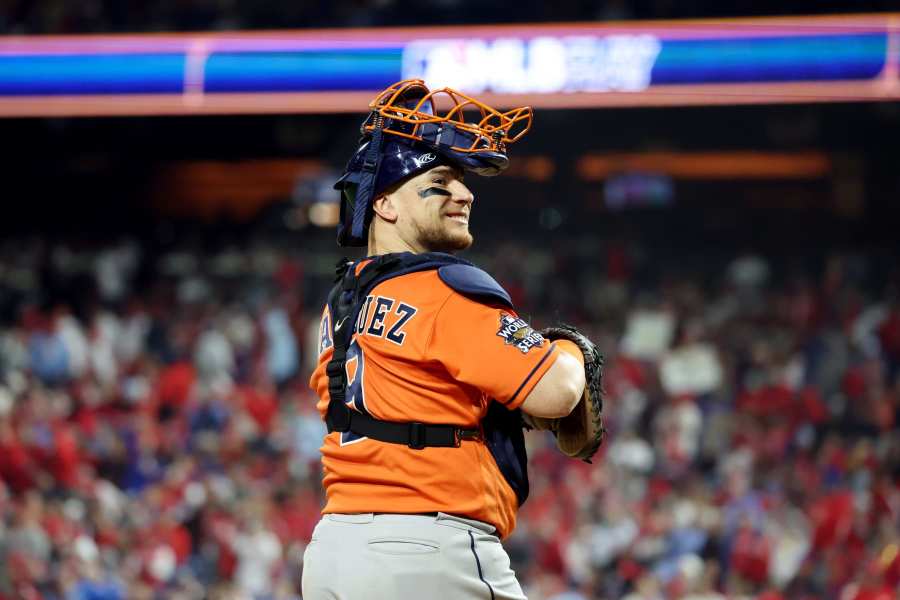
385	206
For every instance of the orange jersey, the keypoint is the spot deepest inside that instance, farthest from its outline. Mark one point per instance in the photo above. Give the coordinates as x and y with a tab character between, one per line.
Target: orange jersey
424	352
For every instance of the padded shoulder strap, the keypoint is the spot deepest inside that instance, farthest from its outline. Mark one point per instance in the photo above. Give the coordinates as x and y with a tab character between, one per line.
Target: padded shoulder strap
474	283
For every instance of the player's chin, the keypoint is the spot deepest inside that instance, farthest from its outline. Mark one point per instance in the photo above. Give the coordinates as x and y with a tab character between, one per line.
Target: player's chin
460	239
452	241
465	241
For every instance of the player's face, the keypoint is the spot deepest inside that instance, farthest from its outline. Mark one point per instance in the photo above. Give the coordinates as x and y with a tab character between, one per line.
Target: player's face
434	209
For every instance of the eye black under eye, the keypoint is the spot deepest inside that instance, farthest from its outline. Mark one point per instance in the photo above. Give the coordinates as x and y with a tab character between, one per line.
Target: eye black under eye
434	191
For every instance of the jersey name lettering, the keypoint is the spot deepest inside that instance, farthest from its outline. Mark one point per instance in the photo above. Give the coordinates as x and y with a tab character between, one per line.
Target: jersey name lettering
384	317
325	339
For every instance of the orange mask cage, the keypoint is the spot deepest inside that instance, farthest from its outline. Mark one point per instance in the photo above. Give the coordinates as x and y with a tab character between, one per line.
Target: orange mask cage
493	131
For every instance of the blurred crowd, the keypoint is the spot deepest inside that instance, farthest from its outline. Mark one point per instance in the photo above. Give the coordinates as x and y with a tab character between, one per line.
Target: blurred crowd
101	16
158	439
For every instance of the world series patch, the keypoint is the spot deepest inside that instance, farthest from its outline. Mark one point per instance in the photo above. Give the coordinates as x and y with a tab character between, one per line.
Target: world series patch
518	333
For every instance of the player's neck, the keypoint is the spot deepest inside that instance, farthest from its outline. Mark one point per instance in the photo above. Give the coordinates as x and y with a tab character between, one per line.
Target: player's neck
387	241
378	249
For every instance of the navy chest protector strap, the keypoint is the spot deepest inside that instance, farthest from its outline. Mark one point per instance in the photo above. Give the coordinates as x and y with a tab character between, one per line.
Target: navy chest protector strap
501	429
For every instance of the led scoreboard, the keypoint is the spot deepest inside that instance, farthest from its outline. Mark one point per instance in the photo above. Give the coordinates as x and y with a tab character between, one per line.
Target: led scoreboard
813	59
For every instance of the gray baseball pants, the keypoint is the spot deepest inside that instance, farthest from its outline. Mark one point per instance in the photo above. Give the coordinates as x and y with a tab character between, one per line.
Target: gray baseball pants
400	557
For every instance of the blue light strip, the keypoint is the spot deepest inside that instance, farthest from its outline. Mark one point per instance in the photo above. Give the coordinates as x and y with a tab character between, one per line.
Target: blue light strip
362	61
812	58
91	74
334	70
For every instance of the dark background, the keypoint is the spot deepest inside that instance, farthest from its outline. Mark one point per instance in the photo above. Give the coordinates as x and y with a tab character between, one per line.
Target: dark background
96	175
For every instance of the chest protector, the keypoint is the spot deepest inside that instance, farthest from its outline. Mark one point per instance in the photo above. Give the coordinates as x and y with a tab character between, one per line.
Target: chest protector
501	429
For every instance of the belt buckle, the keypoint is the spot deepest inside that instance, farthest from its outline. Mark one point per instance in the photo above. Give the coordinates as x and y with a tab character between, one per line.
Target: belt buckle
416	436
460	434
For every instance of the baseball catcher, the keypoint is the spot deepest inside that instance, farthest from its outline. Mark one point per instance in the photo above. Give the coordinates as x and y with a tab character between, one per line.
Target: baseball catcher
426	373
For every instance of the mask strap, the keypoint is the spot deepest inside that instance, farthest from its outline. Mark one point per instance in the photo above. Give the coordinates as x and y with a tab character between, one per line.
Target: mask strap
367	177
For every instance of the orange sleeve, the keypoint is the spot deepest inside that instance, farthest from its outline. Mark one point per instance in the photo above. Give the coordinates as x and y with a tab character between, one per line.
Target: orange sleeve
490	348
570	347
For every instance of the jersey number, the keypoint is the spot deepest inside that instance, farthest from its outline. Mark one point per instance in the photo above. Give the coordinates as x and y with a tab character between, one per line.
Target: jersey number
355	368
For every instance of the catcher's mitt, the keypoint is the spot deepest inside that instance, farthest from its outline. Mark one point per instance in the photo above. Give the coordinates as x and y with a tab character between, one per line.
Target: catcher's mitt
579	434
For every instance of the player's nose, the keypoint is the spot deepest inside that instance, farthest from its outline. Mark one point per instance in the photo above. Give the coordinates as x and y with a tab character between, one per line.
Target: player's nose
462	194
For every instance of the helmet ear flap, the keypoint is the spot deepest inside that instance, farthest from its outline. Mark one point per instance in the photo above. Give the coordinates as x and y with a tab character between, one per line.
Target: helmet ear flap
346	237
348	194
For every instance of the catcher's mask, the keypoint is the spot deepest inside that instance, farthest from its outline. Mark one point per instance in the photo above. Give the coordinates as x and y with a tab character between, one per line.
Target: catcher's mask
406	134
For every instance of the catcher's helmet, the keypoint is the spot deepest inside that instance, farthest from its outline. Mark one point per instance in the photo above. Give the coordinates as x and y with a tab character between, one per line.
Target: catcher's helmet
405	134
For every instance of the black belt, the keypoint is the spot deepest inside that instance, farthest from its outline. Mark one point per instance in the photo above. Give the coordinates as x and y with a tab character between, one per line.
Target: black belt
415	435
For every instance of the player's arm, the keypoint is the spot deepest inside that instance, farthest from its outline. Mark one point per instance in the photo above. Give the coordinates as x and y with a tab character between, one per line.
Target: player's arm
561	387
505	358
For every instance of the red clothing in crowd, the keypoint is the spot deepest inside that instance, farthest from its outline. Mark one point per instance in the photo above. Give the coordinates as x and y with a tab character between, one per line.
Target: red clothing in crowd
750	555
297	517
832	517
261	405
175	383
889	335
63	463
16	466
177	538
882	592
